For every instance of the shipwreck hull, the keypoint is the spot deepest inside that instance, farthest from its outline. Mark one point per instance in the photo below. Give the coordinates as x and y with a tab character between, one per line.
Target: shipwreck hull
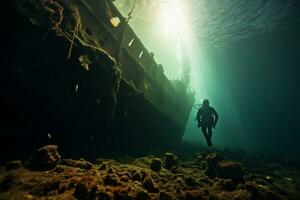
69	77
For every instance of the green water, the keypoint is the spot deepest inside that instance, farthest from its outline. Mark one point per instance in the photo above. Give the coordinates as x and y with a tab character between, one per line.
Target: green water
244	60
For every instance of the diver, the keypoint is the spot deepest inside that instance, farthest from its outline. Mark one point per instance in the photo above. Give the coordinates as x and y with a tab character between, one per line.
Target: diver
207	118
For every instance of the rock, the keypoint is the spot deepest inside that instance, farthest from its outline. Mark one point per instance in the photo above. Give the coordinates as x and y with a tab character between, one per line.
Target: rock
171	160
124	178
48	186
46	158
191	182
203	165
111	180
223	169
174	169
253	189
103	166
59	169
86	189
231	170
105	195
199	158
212	159
142	195
82	164
228	184
166	196
261	192
269	179
194	195
111	170
150	185
211	173
261	182
204	180
144	174
136	176
156	164
121	193
13	165
8	181
212	164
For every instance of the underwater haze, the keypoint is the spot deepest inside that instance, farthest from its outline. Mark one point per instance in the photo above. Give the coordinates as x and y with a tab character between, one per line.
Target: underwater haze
102	100
242	55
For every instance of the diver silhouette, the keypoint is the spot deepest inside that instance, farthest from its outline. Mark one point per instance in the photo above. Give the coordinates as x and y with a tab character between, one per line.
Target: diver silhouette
207	118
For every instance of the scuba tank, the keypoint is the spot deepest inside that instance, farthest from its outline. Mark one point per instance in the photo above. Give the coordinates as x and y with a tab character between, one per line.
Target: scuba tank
197	105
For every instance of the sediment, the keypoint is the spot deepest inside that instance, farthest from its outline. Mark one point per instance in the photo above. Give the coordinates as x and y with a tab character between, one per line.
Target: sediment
206	175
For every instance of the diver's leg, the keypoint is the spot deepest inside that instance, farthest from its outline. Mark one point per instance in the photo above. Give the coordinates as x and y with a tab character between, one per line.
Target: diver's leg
204	128
209	135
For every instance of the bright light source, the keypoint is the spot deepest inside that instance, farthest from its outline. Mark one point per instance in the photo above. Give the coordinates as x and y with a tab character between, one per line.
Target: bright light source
173	17
164	26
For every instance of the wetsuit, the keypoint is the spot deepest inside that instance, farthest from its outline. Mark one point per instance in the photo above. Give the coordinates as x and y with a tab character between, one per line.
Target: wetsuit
207	118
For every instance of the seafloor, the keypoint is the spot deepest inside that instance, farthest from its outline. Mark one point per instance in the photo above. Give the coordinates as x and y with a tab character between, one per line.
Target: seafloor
187	175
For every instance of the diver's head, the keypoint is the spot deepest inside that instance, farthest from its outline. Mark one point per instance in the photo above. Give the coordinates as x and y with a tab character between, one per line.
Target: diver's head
205	102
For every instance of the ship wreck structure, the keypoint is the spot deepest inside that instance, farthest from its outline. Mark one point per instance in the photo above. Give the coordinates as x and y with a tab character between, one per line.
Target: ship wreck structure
74	73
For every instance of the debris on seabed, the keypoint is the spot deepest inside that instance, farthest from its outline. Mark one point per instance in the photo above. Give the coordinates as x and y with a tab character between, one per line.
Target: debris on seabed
268	177
288	179
85	62
76	88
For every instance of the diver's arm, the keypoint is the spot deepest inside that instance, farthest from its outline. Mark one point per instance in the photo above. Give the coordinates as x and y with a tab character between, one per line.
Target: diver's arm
198	116
216	117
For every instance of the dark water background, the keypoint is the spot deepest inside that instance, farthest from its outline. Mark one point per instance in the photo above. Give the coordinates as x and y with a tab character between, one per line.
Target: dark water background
260	76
